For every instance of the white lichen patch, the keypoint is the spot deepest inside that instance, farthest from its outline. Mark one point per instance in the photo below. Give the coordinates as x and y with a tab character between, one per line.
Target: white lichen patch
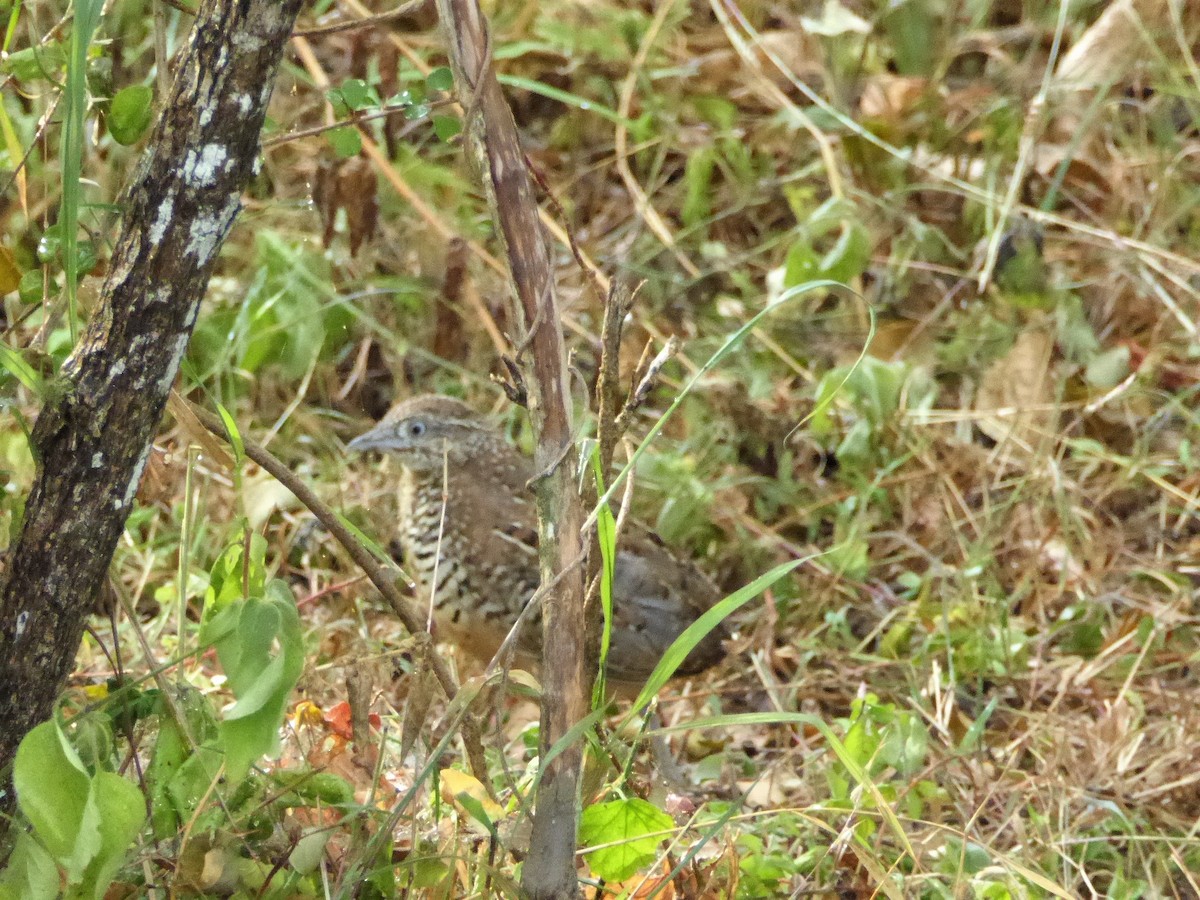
168	375
247	42
207	230
131	489
202	238
162	218
202	166
97	459
244	103
21	623
122	266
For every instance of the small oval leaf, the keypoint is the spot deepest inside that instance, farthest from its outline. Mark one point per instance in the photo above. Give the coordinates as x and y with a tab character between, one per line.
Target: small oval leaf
130	113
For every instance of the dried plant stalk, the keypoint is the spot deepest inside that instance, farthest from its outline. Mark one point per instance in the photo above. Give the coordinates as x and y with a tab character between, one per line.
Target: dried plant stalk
549	870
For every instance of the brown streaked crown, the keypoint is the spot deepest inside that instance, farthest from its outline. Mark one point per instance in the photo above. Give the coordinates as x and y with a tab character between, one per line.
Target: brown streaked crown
425	430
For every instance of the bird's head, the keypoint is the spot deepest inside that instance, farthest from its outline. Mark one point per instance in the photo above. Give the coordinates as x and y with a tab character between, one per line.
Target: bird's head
424	432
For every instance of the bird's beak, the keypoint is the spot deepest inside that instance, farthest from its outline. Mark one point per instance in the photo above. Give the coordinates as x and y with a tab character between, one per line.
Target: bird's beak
382	437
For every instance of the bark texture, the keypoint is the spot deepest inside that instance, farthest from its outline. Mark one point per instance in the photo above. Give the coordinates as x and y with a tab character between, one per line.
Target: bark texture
549	871
94	432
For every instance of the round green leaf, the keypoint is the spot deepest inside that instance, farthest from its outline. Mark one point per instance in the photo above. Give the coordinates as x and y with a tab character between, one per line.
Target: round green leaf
130	113
447	127
627	833
440	79
345	140
30	288
356	93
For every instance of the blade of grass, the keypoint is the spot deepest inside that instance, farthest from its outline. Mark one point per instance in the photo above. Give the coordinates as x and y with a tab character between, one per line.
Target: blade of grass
16	156
87	16
581	103
696	632
606	534
13	17
13	363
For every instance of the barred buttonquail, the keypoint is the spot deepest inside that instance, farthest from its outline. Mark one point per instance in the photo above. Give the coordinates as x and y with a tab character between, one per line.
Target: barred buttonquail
468	527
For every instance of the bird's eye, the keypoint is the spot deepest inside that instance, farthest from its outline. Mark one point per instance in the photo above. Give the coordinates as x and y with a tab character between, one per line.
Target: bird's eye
416	428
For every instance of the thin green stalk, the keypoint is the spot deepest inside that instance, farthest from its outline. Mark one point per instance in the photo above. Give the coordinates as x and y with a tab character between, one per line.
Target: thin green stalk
87	16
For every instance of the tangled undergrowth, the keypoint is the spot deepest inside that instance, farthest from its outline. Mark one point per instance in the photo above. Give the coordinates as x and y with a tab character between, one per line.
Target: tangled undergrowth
979	683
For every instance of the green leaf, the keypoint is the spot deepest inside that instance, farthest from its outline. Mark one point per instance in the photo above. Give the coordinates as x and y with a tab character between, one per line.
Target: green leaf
905	744
235	434
718	111
345	140
52	791
92	739
191	783
171	751
634	827
447	127
440	79
970	741
476	811
848	257
13	363
307	788
309	850
33	286
121	810
130	113
43	63
245	653
861	741
30	874
1108	369
261	681
227	582
356	94
850	555
912	26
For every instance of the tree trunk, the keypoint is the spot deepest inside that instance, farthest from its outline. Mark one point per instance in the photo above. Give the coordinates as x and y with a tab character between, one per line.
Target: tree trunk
94	433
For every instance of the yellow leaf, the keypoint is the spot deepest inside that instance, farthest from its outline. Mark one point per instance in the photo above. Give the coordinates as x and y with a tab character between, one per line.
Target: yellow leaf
16	156
460	786
10	273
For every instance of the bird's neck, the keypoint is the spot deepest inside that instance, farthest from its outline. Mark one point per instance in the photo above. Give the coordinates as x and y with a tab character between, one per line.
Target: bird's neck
487	467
